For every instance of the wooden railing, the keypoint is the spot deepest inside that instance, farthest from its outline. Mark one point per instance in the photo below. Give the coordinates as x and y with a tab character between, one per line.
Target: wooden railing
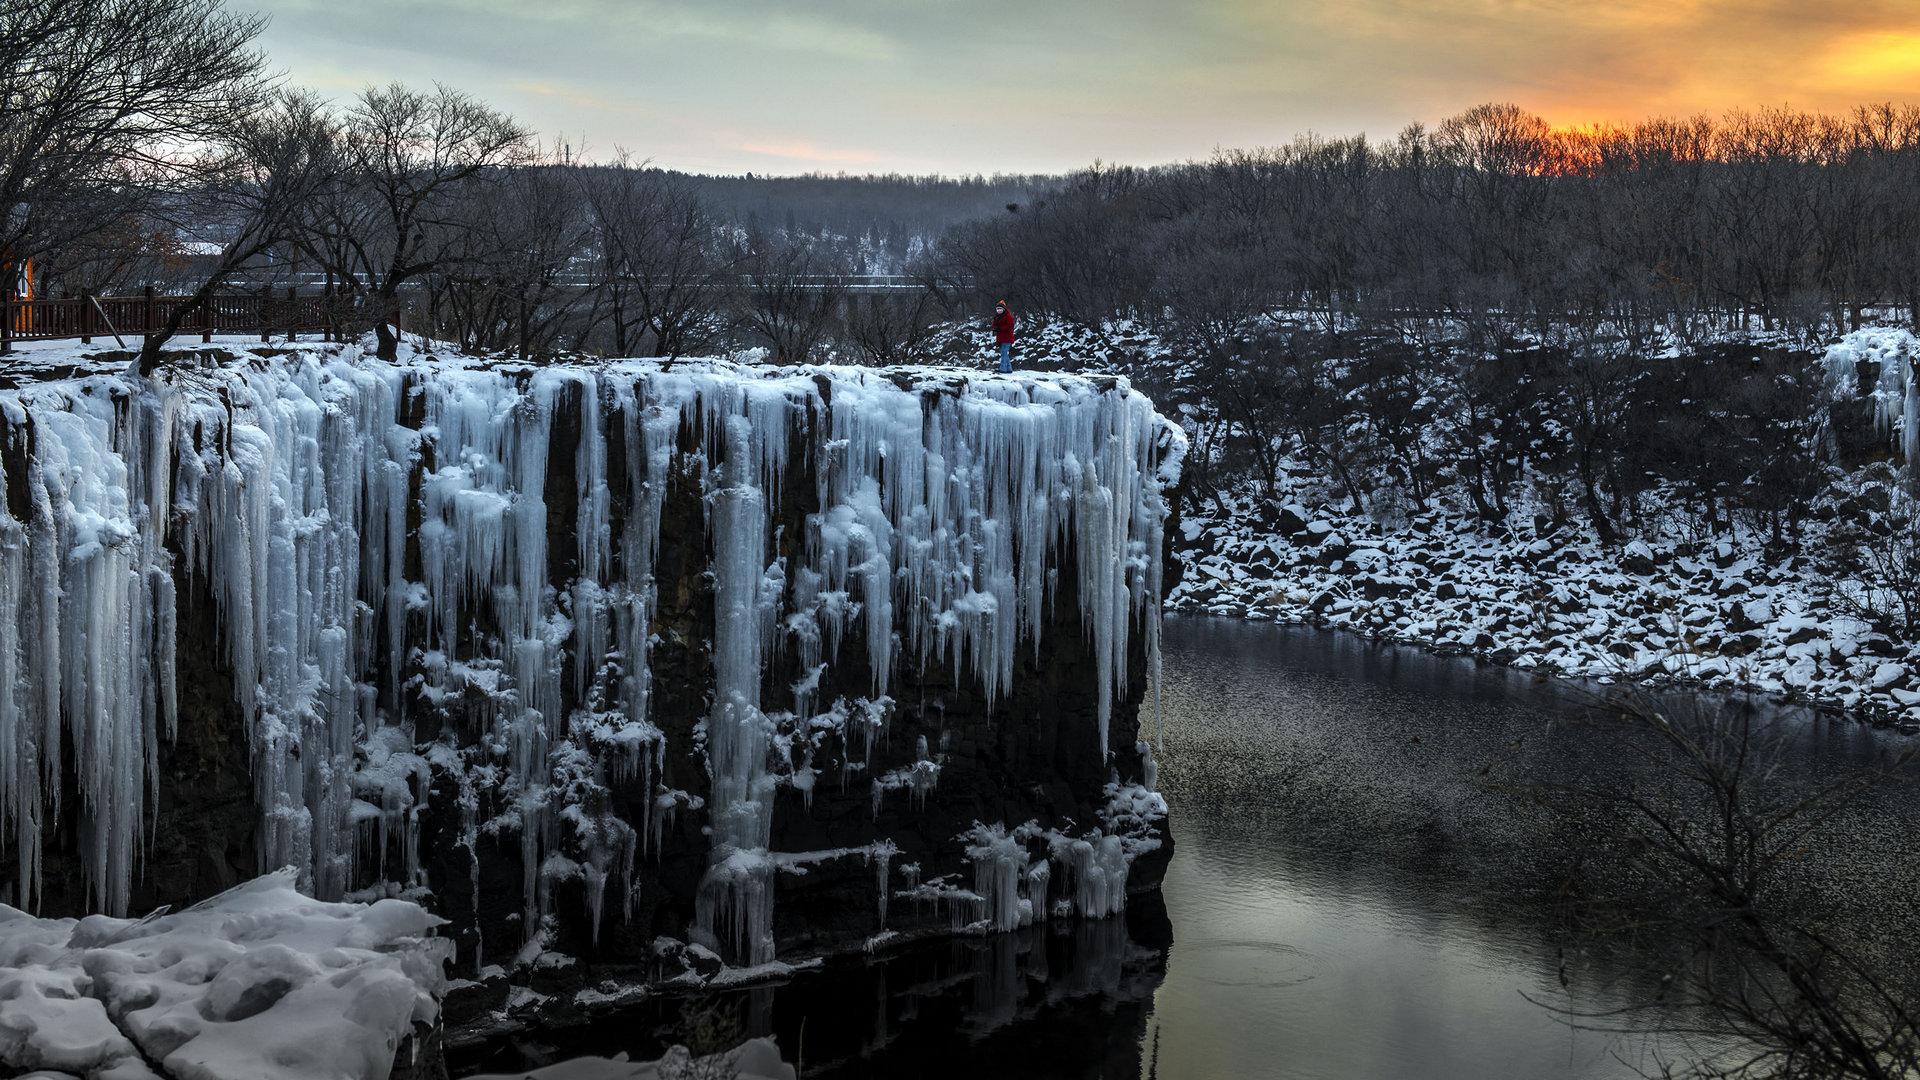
131	318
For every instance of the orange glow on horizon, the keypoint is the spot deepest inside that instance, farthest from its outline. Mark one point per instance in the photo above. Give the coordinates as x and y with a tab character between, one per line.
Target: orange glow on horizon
1011	86
1877	59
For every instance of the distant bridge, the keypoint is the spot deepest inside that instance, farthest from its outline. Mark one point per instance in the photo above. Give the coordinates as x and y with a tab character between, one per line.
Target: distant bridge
852	283
280	307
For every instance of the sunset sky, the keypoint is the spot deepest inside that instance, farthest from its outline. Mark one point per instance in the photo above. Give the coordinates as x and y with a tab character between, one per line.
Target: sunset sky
1006	86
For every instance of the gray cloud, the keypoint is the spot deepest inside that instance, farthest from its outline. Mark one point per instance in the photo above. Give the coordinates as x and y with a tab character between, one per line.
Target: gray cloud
1003	85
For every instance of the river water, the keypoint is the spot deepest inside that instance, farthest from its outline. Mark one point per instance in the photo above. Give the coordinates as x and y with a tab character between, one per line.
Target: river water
1354	893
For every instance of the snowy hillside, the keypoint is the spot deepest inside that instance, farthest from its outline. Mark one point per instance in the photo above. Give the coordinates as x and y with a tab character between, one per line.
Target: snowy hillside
1790	616
1719	614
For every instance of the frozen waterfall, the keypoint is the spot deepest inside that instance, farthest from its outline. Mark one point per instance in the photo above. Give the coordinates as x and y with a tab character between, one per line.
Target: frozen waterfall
380	544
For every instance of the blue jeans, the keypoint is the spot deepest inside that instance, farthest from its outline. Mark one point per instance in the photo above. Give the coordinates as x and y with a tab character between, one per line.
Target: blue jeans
1006	357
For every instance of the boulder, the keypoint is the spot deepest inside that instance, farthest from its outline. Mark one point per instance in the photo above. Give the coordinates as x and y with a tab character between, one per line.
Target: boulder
1374	587
1801	631
1364	557
1890	676
1290	519
1638	558
1331	551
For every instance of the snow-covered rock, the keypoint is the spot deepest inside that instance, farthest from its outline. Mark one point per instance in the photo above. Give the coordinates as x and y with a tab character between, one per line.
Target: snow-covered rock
258	983
1637	558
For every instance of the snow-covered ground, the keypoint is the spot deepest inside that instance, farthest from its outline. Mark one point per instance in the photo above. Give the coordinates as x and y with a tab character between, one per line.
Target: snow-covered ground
258	983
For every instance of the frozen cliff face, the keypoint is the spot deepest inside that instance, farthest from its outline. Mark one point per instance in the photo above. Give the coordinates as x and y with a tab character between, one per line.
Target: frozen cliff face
1888	355
397	551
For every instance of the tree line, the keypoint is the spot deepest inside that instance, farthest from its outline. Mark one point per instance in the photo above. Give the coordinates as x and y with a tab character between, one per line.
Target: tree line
1489	310
1777	218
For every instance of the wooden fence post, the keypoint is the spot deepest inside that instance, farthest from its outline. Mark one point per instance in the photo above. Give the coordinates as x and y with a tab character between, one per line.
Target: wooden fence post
84	323
293	314
206	322
266	296
6	317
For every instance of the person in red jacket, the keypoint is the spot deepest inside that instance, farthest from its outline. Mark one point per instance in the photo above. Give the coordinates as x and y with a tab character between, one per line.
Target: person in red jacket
1003	334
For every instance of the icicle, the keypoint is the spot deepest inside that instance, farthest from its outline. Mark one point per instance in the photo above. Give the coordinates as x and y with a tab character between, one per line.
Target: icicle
1149	766
804	778
1097	867
1039	872
882	853
19	740
999	870
95	605
595	534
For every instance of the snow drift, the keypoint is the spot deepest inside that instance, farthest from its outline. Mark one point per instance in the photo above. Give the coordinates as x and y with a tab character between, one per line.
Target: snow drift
260	982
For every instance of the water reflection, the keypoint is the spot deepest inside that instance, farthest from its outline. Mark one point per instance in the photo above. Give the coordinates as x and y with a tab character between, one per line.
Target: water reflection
1353	802
1069	1000
1349	898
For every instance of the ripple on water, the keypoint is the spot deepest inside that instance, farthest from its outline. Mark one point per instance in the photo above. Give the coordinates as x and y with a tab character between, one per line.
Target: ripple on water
1278	965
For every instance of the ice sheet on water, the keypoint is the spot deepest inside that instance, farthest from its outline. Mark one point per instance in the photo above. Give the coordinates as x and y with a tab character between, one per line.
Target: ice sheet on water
755	1059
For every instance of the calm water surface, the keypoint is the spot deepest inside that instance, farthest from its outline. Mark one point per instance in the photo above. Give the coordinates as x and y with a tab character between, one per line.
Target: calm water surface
1347	899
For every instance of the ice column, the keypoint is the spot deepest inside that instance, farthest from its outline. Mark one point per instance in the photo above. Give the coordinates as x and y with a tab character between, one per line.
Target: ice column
737	893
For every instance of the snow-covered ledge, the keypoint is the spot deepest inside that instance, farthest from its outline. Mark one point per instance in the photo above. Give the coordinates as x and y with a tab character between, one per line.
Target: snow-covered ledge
258	983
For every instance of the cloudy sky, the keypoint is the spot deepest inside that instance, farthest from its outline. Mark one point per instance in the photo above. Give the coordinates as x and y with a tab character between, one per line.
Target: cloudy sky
783	86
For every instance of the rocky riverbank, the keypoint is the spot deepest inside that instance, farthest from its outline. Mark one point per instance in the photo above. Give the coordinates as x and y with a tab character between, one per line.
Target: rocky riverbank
1724	613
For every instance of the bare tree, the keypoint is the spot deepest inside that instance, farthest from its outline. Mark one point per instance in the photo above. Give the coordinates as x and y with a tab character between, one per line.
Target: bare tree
103	103
1215	276
658	260
259	183
1709	835
896	327
519	249
1876	565
789	297
412	160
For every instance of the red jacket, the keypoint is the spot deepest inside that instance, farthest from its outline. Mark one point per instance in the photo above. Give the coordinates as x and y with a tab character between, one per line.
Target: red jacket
1003	327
